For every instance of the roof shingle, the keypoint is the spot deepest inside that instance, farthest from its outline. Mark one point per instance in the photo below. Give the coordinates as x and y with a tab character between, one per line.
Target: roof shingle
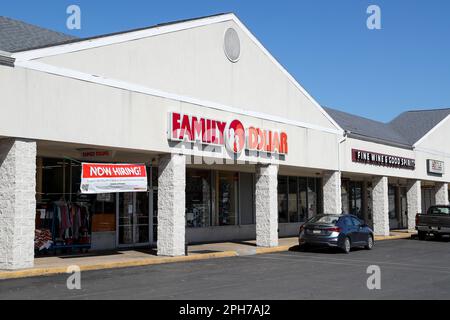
366	127
413	125
18	36
407	129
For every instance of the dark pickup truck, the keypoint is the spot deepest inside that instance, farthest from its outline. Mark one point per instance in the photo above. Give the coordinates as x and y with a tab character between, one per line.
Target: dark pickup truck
436	222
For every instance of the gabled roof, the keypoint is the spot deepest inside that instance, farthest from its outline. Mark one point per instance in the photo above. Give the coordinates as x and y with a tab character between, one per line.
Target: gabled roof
366	128
414	125
405	130
71	39
26	59
18	36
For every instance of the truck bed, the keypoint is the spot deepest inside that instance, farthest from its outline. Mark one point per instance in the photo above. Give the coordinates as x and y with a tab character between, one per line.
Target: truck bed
436	221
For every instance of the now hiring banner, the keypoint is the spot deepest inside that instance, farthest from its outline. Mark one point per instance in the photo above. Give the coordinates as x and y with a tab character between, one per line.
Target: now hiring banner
111	178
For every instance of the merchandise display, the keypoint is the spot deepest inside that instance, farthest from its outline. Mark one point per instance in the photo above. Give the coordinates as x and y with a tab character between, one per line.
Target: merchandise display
63	225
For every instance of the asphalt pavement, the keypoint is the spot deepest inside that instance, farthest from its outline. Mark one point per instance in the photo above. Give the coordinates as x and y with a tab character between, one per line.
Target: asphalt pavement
409	269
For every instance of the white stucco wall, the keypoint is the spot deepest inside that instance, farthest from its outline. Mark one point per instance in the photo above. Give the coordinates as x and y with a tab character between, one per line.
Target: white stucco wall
192	63
437	141
41	106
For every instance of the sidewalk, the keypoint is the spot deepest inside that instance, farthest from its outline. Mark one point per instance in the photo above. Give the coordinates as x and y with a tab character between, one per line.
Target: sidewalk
46	266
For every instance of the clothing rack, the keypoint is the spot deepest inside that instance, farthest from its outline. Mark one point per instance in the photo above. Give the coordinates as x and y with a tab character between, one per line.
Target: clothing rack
69	224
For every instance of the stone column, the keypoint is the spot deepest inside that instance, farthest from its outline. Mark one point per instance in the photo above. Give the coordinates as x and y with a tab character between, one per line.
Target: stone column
441	194
171	205
17	203
414	202
380	206
332	193
266	198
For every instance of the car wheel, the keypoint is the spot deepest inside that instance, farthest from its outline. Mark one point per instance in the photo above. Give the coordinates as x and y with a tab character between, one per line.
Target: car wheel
347	246
422	235
370	243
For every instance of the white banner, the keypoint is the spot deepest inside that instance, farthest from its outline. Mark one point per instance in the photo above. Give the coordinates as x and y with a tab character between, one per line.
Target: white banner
111	178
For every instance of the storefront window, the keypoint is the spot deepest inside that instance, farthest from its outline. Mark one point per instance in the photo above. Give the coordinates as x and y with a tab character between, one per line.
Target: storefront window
392	202
312	197
303	192
403	223
198	198
53	186
65	218
293	199
212	198
356	199
298	199
142	219
352	198
369	201
227	198
103	206
126	210
283	200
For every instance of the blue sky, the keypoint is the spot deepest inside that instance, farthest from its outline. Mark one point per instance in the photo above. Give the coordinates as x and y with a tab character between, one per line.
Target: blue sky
324	44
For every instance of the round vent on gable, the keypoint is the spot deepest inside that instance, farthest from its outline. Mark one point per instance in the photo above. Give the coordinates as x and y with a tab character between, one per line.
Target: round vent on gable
232	45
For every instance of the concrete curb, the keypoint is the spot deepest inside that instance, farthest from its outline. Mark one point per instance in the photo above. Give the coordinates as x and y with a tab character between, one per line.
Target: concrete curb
272	250
395	237
4	275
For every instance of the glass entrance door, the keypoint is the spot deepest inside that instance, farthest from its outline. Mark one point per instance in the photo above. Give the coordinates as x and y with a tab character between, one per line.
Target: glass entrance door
134	219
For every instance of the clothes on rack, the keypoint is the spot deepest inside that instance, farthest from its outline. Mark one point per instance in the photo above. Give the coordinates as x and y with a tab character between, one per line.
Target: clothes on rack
42	239
44	218
72	220
67	223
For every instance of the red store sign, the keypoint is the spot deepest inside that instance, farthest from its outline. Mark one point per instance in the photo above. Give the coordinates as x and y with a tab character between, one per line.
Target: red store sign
233	135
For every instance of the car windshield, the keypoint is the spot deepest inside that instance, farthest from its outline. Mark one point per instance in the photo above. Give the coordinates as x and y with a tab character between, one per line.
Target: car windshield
327	219
440	210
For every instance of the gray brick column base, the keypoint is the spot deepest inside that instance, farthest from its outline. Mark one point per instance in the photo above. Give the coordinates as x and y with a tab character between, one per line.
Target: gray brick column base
171	205
266	198
414	201
17	203
441	194
332	193
380	206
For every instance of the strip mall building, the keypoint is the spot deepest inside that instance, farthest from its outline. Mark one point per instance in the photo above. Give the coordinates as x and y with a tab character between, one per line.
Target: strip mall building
233	146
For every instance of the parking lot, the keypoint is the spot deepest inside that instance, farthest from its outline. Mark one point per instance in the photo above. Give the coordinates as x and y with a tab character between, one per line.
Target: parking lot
410	269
